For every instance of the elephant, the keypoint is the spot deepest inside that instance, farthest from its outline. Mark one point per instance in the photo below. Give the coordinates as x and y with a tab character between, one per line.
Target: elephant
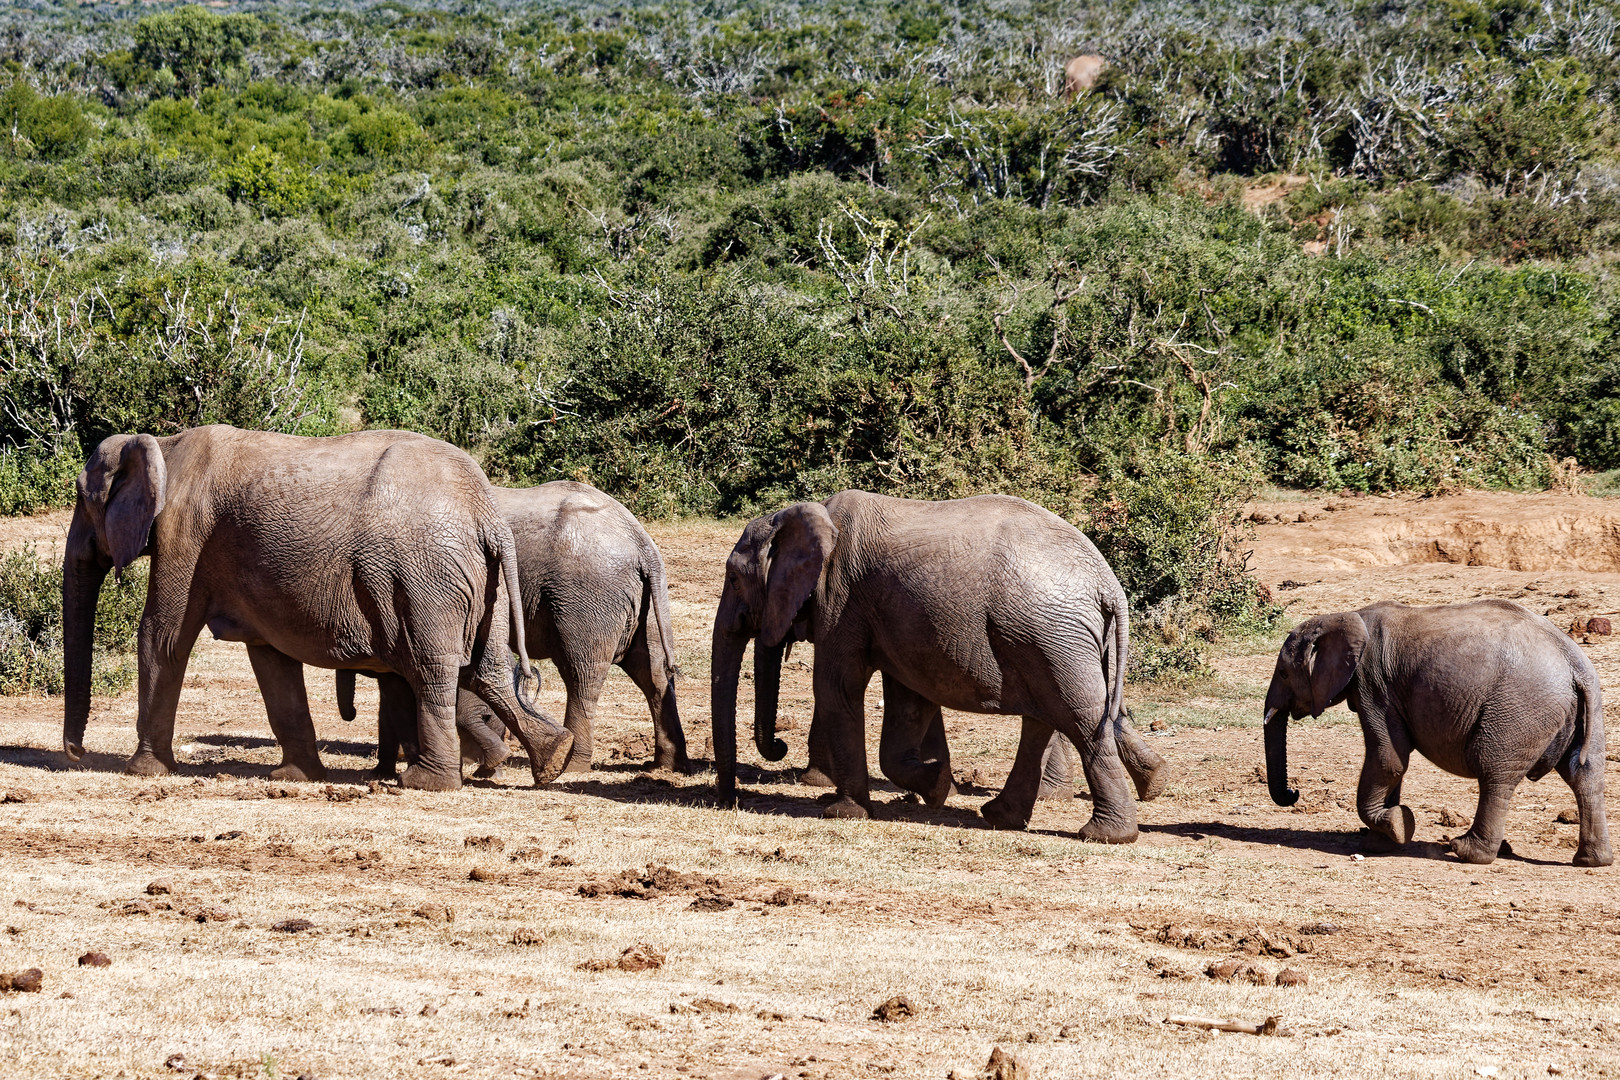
1486	690
595	594
988	604
379	550
482	737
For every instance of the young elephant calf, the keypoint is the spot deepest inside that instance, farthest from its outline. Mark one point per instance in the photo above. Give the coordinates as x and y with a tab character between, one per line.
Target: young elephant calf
1485	690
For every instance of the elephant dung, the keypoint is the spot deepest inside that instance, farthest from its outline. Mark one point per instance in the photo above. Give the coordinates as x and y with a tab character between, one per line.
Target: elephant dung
642	957
293	926
1165	969
94	959
160	887
523	935
484	843
1234	970
24	982
1003	1066
898	1007
1292	977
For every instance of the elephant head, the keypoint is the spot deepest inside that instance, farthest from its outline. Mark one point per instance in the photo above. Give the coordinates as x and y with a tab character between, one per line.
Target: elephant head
772	577
121	493
1313	673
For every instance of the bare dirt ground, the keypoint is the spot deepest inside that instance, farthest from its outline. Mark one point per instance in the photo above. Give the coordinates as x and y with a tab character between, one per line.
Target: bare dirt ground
484	933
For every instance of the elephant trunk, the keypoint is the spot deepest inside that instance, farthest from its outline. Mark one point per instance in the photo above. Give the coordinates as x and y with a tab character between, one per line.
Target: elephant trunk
767	685
725	667
82	574
1278	700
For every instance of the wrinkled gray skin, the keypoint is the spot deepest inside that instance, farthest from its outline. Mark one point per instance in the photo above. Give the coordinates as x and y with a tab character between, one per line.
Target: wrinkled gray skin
483	738
1486	690
987	605
594	595
380	550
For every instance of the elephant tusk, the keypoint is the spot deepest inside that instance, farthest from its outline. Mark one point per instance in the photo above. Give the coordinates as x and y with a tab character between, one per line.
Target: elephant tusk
1269	714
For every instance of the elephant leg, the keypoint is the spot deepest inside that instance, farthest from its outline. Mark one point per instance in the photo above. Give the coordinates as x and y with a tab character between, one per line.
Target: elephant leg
819	774
1482	843
491	677
1146	767
906	753
281	684
396	724
1012	808
841	708
1378	793
479	737
583	679
438	763
1057	770
1113	811
1585	779
162	658
648	669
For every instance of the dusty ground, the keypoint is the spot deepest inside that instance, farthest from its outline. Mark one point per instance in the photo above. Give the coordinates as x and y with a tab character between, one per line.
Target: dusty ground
779	932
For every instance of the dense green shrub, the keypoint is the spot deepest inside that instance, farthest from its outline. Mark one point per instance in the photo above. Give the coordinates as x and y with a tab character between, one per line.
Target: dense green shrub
31	627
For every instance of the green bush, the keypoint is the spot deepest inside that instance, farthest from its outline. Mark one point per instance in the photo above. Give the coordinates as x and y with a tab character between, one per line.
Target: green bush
31	627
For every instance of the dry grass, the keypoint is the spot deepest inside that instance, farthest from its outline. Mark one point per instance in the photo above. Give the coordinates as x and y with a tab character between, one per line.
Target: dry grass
1033	942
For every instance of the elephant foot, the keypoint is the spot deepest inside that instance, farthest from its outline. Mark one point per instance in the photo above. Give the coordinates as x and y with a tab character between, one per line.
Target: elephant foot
672	761
385	772
294	774
1097	831
422	779
943	789
1150	782
814	777
547	763
1594	856
577	763
846	808
1398	824
1001	816
146	763
1471	849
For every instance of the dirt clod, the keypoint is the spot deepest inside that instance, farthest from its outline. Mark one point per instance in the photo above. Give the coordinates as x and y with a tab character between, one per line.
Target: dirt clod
1568	817
711	902
1003	1066
435	913
1158	725
24	982
1450	819
293	926
769	1014
234	834
650	884
160	887
784	896
1234	970
484	843
16	795
478	873
561	860
334	793
710	1005
94	959
1319	928
177	1062
524	935
212	914
898	1007
1292	977
642	957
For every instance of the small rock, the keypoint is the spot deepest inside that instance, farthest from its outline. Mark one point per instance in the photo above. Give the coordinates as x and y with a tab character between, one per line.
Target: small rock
1599	626
1292	977
24	982
523	935
435	913
1555	1070
293	926
898	1007
1358	857
177	1062
160	887
480	874
1568	817
94	959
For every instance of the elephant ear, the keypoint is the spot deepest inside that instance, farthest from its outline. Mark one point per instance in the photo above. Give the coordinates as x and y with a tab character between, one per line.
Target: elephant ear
1331	657
122	488
803	539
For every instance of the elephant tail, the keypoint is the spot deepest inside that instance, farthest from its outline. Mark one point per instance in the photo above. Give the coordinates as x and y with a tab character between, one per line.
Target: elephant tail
500	545
345	694
655	588
1588	741
1116	652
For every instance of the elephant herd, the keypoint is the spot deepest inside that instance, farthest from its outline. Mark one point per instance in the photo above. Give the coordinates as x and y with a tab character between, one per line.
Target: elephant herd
389	554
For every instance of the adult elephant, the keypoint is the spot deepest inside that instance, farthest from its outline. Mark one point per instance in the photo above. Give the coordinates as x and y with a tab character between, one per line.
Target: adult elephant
1486	690
988	605
595	594
380	550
